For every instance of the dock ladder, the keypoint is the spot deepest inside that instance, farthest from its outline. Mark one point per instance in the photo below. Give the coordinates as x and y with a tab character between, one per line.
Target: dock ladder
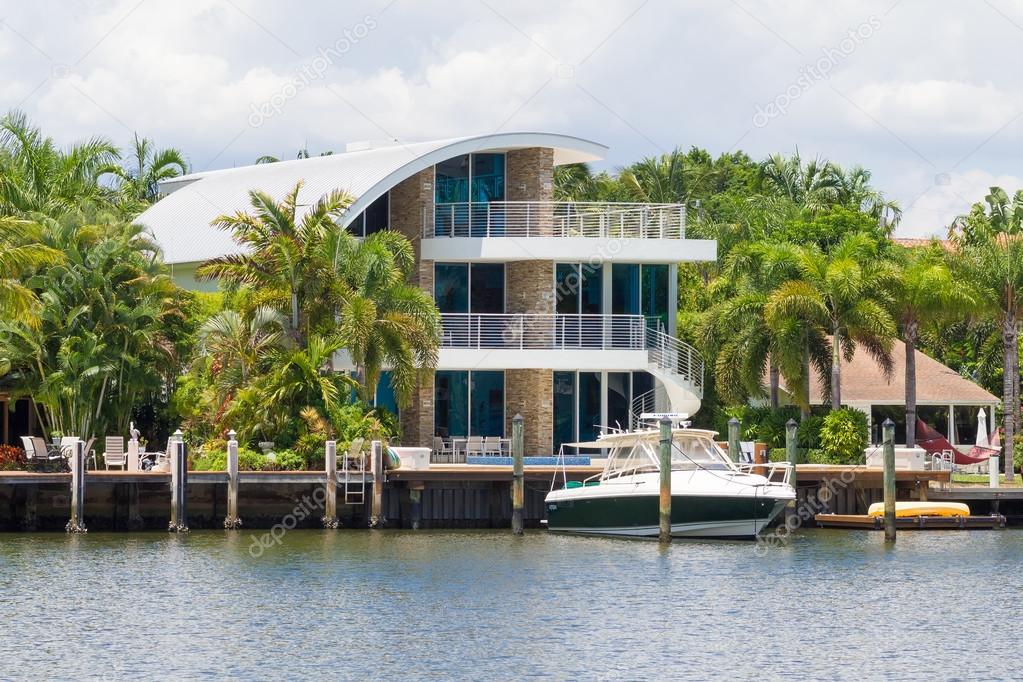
353	473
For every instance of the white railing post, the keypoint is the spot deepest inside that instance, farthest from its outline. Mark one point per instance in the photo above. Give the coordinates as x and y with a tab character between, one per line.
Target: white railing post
488	219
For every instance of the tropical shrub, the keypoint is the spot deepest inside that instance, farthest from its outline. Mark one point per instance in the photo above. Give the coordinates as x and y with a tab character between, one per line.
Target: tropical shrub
844	435
11	458
290	460
809	433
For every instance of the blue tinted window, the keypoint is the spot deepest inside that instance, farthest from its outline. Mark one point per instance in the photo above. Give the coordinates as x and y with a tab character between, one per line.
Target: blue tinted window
625	289
487	395
451	287
655	292
487	290
564	409
589	405
385	393
451	403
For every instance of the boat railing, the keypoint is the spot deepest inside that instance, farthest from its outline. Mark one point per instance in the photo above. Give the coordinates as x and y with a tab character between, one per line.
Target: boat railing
768	470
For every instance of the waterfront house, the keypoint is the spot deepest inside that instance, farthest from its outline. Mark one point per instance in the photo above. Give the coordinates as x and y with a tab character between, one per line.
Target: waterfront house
561	311
946	400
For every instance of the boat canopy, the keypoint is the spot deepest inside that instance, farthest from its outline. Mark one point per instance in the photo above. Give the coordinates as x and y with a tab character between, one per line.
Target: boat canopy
614	440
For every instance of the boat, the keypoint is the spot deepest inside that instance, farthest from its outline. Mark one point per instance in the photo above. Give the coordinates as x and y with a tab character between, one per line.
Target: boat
711	496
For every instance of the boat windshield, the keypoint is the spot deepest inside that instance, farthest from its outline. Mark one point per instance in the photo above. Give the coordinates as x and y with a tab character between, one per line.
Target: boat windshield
691	452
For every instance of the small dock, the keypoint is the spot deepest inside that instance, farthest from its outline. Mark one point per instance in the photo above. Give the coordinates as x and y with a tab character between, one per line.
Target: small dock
865	522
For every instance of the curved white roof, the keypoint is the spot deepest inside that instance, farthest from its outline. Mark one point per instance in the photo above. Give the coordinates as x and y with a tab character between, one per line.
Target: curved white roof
180	221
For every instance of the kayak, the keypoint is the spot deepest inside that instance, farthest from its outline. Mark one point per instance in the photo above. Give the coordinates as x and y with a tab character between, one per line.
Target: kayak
914	509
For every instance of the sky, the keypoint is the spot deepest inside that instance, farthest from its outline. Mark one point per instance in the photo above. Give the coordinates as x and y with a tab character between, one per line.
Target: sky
926	94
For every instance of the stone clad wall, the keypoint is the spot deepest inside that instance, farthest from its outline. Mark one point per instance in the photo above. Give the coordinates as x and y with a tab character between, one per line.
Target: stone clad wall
529	176
530	392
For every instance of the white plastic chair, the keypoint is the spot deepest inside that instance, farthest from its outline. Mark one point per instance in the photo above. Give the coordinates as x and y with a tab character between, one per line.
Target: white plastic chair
492	446
114	453
442	450
474	446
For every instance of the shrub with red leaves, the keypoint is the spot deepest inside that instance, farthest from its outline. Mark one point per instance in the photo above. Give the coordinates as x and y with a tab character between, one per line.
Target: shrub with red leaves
11	458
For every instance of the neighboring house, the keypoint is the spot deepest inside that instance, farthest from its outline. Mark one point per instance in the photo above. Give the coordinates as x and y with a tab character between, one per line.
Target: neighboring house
945	400
564	312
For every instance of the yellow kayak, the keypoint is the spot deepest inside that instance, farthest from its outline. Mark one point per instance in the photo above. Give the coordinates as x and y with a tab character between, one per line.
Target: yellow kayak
914	509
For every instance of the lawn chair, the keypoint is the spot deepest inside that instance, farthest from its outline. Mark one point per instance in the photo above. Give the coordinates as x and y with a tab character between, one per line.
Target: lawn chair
356	459
41	454
114	453
474	446
442	451
492	446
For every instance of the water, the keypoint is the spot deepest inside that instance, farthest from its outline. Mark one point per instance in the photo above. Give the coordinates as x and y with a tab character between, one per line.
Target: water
487	605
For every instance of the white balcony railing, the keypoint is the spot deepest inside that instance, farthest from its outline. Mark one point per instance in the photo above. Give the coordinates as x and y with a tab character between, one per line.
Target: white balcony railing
556	219
675	357
543	331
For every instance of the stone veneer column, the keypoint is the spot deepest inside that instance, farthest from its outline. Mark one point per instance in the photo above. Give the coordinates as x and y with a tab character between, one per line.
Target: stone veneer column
529	176
411	211
530	392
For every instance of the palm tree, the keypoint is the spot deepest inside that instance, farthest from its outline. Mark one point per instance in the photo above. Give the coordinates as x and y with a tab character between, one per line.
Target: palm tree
738	326
38	177
665	179
926	291
989	254
239	342
813	185
20	252
280	260
855	191
385	320
847	293
138	184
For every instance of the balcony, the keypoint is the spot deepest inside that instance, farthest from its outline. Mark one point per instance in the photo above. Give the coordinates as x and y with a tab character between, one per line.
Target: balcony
543	332
600	220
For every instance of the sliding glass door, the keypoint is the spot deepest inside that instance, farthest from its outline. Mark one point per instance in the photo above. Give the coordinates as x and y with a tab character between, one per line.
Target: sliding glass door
468	403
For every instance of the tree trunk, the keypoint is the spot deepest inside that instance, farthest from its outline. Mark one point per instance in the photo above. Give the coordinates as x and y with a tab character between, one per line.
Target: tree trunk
1009	409
911	334
773	375
804	408
836	369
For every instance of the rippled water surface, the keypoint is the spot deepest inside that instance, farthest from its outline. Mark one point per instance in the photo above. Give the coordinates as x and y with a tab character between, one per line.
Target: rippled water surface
486	605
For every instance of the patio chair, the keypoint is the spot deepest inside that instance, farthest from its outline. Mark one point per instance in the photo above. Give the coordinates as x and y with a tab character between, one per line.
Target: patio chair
114	453
474	446
43	455
492	446
355	453
442	451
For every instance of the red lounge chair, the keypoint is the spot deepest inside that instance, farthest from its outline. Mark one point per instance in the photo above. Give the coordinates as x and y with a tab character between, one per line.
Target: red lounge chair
934	443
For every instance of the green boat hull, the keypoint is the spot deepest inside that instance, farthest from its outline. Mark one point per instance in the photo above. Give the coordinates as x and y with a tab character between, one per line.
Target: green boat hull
638	515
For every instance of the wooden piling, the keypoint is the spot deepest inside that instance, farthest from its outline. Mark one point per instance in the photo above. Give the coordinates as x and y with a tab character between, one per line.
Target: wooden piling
792	456
179	486
518	475
77	522
330	485
733	439
888	429
664	507
376	518
231	521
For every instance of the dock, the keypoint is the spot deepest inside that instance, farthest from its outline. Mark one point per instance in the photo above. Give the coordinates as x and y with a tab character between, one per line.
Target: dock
864	522
433	496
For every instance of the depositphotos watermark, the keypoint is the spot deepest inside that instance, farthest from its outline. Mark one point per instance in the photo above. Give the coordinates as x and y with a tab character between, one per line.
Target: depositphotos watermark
805	512
307	506
310	72
811	74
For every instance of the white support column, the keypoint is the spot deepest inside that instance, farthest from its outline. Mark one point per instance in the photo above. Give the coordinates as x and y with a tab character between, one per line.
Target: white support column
953	437
673	300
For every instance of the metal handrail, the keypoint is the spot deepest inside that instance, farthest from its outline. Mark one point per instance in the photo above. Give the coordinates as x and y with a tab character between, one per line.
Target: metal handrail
608	220
674	356
528	331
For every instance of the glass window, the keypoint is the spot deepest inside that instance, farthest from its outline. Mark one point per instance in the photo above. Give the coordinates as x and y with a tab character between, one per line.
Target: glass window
452	182
487	177
935	416
377	215
567	283
625	289
618	399
655	292
878	413
690	453
451	287
966	424
564	409
487	288
589	405
487	411
385	393
591	301
451	403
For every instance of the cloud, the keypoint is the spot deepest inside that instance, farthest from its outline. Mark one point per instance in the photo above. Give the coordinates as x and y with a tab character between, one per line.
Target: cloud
948	195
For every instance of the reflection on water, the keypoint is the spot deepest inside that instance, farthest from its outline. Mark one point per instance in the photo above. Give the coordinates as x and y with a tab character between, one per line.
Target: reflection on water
489	605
